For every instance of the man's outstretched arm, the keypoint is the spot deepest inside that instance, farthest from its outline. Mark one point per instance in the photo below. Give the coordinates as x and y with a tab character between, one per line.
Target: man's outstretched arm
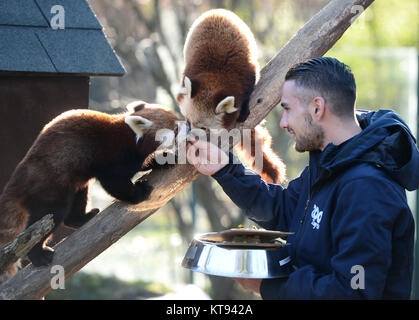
269	205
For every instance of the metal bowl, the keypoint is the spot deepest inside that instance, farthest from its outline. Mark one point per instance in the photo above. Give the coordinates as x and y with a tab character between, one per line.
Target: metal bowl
211	259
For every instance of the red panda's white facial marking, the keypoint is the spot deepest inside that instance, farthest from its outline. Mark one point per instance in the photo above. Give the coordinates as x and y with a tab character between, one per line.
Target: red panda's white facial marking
200	118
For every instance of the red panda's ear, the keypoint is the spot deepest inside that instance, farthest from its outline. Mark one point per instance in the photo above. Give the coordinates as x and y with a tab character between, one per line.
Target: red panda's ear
136	106
190	87
226	106
138	125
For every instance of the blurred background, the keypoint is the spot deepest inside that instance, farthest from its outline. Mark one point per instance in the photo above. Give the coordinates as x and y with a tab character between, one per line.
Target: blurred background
148	36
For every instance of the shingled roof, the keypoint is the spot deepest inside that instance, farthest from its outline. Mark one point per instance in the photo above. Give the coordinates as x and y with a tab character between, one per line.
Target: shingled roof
29	44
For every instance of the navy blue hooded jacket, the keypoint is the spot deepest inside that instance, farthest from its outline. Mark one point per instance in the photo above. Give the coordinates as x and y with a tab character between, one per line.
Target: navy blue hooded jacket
353	230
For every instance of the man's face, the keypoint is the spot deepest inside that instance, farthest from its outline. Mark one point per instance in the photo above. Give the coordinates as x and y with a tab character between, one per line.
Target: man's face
297	119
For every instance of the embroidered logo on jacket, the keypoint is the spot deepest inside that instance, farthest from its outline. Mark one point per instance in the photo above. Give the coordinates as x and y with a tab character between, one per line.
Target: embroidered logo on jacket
316	215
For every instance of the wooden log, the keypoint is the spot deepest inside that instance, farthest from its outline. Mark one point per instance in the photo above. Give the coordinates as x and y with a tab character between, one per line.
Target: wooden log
313	40
74	252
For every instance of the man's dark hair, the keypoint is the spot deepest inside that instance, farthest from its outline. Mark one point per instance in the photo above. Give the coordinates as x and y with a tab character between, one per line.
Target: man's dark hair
331	79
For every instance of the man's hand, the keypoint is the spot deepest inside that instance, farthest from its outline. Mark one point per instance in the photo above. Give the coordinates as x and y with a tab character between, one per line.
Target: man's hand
206	157
250	284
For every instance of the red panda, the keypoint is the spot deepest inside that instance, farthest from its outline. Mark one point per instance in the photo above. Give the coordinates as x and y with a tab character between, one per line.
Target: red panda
73	148
221	70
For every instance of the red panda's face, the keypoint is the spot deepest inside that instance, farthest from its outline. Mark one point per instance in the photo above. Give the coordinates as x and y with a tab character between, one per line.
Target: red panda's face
152	124
205	107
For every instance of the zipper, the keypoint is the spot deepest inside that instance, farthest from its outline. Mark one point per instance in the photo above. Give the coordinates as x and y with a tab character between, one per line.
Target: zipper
303	219
305	210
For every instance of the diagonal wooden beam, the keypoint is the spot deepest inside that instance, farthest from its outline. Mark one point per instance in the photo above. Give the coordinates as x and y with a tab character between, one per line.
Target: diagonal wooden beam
314	39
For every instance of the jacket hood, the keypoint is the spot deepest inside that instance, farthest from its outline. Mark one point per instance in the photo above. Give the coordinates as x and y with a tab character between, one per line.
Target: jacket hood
385	141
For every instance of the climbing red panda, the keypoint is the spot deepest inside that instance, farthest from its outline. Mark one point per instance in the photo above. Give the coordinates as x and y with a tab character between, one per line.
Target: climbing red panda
73	148
220	74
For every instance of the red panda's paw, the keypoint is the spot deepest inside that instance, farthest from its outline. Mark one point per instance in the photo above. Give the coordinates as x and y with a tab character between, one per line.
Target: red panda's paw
76	223
89	215
41	257
142	191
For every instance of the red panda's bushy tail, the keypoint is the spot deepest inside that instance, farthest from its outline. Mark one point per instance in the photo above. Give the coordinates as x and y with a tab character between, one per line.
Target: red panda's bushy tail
13	219
271	168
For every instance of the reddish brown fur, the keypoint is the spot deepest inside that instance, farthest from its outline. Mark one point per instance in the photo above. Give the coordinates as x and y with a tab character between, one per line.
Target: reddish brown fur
73	148
221	61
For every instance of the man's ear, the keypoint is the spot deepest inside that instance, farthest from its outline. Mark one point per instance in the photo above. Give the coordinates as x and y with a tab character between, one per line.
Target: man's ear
318	106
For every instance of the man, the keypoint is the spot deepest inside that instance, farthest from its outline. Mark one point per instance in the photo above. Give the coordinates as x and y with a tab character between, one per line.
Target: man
353	230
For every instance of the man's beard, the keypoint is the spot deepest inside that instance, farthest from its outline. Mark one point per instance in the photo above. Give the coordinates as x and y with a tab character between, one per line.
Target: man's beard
312	137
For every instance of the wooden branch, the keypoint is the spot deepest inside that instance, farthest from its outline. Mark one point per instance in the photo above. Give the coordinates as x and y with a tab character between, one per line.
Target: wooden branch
96	236
314	39
73	253
24	242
